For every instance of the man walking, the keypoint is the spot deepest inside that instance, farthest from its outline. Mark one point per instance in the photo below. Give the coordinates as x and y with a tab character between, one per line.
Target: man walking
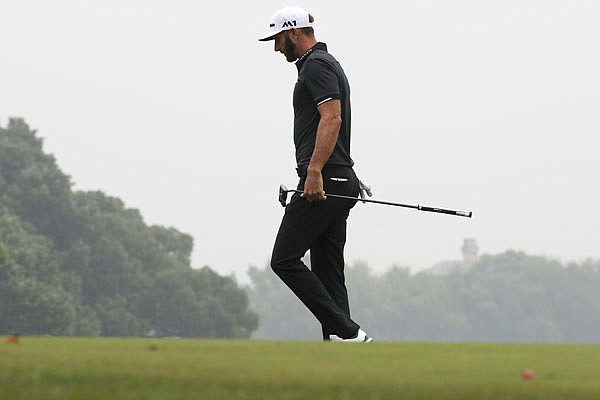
312	221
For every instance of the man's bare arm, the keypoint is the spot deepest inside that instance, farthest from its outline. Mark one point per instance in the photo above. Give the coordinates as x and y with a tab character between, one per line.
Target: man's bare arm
327	134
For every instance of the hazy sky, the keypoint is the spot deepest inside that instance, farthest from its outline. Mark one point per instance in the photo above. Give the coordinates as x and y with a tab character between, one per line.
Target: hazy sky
176	108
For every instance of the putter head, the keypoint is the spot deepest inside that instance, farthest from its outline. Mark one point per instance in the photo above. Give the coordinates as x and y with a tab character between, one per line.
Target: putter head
283	191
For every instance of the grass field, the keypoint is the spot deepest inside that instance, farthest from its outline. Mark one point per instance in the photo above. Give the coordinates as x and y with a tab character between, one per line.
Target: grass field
77	368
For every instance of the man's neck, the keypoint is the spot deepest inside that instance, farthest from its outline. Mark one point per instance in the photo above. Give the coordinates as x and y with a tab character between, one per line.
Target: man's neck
305	46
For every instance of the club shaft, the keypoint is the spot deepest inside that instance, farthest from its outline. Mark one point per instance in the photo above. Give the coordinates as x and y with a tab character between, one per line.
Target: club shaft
467	214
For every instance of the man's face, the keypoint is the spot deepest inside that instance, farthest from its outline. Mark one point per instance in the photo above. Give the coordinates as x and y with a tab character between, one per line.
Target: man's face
285	44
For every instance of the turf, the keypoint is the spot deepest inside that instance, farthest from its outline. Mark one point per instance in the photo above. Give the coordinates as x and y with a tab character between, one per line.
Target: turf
78	368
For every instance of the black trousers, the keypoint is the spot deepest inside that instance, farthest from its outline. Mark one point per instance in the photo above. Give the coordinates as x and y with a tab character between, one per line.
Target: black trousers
321	228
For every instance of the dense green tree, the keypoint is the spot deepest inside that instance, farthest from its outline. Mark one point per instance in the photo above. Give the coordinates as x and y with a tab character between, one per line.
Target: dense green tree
229	320
81	263
33	298
575	297
511	296
507	296
172	242
32	185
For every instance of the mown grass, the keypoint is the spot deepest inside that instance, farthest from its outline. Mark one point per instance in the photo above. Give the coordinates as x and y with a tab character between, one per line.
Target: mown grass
78	368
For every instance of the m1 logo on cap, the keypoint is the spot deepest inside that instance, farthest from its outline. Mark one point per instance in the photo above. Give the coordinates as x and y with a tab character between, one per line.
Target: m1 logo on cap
287	24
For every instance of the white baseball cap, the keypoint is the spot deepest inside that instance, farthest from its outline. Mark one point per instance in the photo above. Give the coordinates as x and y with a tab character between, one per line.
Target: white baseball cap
286	19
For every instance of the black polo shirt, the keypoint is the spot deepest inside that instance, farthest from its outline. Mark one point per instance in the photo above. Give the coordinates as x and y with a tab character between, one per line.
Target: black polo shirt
320	78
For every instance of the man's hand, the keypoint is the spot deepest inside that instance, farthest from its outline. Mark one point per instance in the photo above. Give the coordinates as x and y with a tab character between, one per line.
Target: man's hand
313	186
364	190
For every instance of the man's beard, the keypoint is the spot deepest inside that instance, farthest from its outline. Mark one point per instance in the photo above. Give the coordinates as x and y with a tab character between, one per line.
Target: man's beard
290	50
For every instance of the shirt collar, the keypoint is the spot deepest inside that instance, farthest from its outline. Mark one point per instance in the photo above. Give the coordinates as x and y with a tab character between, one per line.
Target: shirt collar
302	58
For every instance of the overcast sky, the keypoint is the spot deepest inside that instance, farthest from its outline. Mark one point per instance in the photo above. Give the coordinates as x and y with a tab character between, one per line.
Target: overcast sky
176	108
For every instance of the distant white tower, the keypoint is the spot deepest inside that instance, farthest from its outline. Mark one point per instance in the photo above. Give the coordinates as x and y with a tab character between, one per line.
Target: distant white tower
470	252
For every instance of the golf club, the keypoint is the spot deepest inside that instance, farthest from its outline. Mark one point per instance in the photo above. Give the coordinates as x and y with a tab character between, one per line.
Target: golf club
283	191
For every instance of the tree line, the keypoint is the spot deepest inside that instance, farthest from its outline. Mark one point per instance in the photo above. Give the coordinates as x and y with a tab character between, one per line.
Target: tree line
81	263
508	297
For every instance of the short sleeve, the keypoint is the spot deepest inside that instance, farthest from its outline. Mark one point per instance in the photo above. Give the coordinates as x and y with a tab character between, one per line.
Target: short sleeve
321	80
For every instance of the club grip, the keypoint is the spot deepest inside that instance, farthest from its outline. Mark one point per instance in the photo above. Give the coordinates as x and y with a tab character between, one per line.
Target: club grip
467	214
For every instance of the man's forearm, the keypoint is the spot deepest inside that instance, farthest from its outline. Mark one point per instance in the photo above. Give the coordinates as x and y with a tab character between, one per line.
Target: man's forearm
326	138
327	134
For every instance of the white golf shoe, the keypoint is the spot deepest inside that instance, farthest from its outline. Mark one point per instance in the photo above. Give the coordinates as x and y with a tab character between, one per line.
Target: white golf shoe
361	337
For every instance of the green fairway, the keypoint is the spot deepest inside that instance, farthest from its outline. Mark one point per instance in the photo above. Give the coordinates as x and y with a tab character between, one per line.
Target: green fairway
76	368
